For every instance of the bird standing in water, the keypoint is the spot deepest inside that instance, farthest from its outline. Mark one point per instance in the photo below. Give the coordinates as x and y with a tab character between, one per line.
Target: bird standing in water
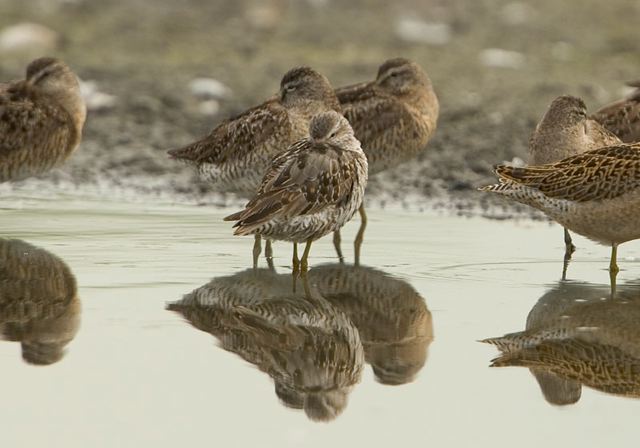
393	117
595	194
564	131
313	188
236	154
41	120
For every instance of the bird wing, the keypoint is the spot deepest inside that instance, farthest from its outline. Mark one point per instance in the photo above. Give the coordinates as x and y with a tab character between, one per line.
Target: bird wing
306	179
377	118
622	117
238	136
604	173
25	123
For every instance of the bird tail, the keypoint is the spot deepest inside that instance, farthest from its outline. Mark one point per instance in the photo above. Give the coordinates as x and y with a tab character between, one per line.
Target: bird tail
189	153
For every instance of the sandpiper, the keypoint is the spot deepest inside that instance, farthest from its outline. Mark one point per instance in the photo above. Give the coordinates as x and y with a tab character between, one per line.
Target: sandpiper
573	338
622	117
237	153
310	348
311	189
564	131
41	119
595	194
39	304
392	318
393	116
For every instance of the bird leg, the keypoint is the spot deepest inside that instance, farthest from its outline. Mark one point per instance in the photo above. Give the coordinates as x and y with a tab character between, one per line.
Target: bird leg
613	268
268	254
296	266
336	243
257	248
360	236
569	249
304	264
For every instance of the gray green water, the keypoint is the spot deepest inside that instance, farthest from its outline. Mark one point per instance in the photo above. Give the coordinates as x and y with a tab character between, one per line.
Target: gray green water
138	375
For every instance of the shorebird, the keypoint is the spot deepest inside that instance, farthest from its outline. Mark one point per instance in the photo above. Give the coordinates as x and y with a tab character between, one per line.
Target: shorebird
39	305
393	116
41	119
595	194
622	117
311	189
237	153
573	338
564	131
392	318
310	348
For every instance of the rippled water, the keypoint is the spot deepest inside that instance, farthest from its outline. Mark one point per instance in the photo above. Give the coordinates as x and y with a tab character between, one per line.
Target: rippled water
381	354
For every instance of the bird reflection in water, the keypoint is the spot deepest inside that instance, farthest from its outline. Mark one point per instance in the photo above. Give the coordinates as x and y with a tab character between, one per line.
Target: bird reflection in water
314	345
39	305
578	335
307	346
393	320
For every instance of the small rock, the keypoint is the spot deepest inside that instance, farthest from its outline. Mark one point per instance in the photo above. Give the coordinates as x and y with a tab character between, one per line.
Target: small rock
209	107
497	57
209	88
28	37
94	99
414	30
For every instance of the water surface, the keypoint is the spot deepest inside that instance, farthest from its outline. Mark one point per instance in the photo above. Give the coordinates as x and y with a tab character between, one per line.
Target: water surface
136	374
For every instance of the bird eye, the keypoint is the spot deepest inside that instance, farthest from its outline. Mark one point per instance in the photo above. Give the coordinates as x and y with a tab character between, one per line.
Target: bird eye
290	88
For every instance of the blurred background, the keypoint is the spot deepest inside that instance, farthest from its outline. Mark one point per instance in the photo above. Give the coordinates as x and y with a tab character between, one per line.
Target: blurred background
159	74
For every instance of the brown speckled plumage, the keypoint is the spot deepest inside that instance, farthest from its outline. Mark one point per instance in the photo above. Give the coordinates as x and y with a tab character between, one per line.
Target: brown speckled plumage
236	154
312	188
393	320
307	346
393	116
595	194
41	120
573	337
564	131
622	117
39	306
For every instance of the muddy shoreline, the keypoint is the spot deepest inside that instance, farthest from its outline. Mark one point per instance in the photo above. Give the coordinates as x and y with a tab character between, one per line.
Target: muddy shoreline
145	54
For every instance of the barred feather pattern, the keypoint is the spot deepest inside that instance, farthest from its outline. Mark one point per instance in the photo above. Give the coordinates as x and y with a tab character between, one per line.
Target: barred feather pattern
39	128
622	117
393	118
595	194
573	337
307	346
313	188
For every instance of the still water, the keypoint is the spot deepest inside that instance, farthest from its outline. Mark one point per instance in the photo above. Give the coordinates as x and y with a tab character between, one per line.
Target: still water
143	327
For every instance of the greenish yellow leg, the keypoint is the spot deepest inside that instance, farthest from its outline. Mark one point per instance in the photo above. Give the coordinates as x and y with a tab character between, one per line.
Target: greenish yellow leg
336	243
360	236
257	248
296	266
268	253
569	249
304	264
613	269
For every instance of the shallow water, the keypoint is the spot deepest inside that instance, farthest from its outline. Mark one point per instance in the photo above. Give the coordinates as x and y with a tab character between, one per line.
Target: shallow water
137	374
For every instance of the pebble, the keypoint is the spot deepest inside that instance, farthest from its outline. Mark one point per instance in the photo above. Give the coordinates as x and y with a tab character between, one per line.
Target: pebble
28	37
415	30
94	99
497	57
209	88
